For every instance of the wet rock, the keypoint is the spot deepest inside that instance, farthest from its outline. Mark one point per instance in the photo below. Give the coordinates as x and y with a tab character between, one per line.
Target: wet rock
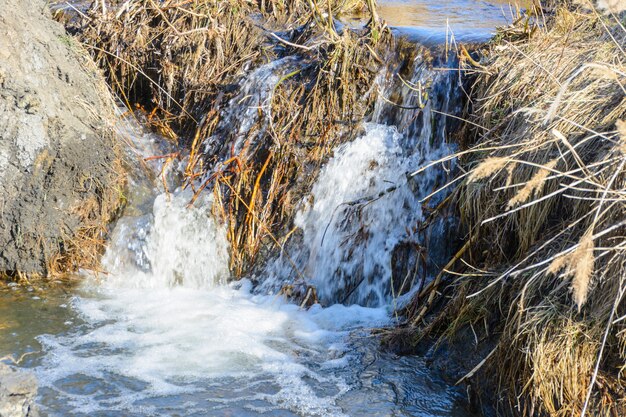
57	156
17	393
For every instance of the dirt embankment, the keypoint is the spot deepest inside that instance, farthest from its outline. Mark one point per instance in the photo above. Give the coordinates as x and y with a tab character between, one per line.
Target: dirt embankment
58	167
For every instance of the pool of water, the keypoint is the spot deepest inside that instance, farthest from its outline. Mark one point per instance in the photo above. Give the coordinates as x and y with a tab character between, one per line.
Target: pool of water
431	21
99	351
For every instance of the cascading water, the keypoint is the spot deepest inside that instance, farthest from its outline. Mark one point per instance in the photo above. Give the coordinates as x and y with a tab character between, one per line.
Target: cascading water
163	327
241	119
364	209
163	333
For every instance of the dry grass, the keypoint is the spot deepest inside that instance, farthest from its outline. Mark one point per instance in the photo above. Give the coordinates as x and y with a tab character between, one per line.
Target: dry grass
173	58
545	208
184	61
177	58
310	113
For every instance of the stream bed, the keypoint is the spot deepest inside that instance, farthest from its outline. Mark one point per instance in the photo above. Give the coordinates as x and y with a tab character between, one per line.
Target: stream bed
217	352
164	333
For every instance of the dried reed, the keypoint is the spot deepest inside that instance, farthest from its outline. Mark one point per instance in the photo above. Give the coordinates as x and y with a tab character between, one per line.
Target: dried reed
548	237
184	61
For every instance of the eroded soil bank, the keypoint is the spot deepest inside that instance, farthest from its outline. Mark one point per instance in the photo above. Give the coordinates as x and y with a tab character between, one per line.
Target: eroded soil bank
59	169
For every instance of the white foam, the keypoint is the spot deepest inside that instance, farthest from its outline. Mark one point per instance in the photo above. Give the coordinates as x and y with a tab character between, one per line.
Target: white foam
159	326
175	339
350	245
177	244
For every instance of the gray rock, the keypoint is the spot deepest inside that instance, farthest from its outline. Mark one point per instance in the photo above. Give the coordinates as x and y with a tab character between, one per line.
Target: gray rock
56	151
18	390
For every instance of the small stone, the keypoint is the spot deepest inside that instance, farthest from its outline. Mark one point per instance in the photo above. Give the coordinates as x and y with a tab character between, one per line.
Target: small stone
28	102
18	390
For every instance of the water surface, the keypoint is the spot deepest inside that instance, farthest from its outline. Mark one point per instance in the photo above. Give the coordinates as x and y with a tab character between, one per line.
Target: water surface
465	20
214	352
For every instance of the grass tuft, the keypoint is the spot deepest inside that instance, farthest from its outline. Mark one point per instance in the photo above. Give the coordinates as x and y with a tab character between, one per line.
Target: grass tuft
542	276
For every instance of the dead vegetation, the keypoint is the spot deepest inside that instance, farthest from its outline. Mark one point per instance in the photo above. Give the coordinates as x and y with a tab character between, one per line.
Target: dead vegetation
543	272
172	58
184	62
310	112
180	58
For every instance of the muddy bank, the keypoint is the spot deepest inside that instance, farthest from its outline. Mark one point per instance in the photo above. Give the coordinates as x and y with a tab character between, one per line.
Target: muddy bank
59	180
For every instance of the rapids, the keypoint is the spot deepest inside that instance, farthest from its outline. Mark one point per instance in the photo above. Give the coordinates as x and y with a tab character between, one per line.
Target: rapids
162	332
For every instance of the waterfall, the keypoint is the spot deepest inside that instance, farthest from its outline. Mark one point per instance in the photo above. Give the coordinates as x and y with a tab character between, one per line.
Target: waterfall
163	324
364	238
174	245
247	114
349	241
164	332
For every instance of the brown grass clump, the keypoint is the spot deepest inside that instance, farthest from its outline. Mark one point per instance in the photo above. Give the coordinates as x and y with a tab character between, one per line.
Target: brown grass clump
184	62
180	59
172	57
543	272
311	111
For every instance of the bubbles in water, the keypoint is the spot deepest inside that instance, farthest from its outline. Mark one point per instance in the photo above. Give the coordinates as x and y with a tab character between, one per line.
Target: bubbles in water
223	347
352	225
158	330
177	244
364	237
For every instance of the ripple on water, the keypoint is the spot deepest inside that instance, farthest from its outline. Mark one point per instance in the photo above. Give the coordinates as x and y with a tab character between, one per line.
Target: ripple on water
224	351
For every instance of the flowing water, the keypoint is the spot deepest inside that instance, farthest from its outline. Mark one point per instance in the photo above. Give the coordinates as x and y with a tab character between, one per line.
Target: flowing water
432	21
163	332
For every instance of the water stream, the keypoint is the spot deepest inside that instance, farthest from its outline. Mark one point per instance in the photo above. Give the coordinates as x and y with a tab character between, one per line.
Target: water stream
432	21
164	333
